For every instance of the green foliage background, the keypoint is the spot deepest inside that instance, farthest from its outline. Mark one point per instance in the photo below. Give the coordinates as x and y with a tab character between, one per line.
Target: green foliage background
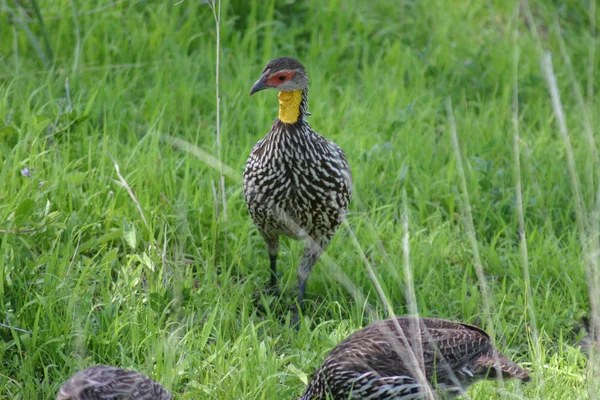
180	297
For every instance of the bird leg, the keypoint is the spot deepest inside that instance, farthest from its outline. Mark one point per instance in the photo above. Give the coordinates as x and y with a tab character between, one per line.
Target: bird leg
273	261
295	322
273	249
301	290
312	251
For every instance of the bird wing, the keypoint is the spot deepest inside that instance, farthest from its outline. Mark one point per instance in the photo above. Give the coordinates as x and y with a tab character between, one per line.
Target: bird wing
451	349
384	349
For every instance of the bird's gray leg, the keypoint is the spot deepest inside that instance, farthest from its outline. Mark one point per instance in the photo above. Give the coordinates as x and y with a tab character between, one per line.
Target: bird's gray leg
312	251
273	249
273	262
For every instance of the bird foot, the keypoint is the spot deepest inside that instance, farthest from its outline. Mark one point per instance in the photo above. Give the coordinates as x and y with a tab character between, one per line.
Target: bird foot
273	290
295	321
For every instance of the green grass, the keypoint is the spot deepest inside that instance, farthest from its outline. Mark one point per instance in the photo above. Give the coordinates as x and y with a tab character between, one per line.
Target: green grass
179	298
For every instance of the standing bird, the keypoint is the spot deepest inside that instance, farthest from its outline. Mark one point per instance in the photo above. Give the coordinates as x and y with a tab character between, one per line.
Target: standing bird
296	182
382	362
111	383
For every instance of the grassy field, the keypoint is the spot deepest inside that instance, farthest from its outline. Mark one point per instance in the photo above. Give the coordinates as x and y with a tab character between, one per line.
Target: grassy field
108	97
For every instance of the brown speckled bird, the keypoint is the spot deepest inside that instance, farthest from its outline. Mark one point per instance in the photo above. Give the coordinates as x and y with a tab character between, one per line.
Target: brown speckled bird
377	363
111	383
590	343
296	183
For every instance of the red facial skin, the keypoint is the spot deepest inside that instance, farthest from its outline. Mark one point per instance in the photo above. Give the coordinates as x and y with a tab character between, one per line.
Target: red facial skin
280	78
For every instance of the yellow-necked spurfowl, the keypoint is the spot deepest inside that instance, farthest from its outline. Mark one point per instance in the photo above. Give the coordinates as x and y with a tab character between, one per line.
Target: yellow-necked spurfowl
296	183
379	362
111	383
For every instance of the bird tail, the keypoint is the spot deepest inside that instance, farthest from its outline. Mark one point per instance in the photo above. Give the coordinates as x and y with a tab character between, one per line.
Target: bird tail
498	362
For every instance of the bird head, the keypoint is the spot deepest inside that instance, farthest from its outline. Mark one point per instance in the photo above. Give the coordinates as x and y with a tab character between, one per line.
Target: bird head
284	74
491	364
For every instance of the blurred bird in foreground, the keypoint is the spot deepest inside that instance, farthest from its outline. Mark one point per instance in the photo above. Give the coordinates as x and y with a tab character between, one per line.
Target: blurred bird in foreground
111	383
409	358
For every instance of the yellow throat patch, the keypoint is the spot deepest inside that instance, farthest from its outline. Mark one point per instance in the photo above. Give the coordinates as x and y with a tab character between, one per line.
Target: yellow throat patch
289	106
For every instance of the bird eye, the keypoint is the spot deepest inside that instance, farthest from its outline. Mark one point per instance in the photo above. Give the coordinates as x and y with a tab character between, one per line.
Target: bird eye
282	77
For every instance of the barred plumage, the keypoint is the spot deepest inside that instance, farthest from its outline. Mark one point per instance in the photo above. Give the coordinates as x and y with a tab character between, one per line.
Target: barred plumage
590	343
103	382
380	362
296	182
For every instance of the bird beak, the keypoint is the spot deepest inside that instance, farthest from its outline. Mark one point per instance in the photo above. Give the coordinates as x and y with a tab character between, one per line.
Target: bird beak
260	84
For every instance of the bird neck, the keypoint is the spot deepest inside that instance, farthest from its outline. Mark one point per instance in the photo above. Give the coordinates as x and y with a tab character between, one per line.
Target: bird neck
292	105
